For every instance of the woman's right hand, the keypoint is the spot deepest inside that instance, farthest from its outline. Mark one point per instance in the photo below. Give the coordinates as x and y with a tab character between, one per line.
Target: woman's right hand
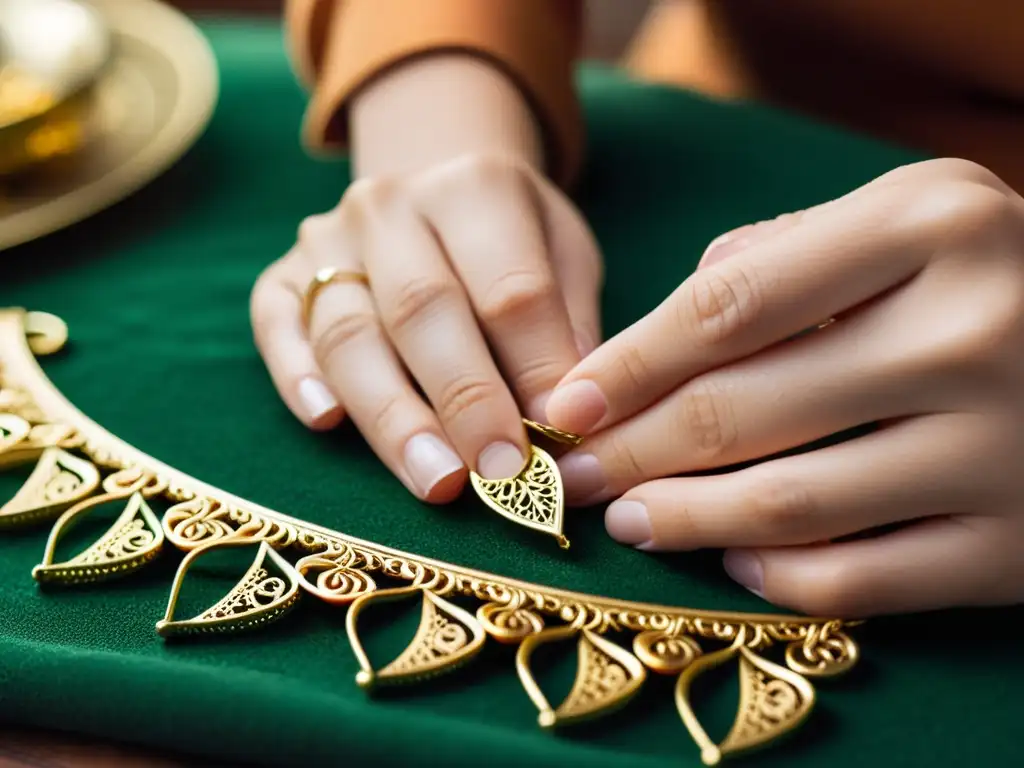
482	293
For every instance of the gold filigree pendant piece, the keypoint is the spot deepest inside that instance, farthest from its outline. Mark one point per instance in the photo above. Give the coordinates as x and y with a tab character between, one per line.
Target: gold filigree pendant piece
133	540
773	701
607	677
533	498
257	599
58	481
71	454
447	637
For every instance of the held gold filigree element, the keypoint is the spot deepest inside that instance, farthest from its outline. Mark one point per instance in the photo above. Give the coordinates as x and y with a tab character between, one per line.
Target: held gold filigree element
551	433
258	598
533	498
607	677
773	701
72	453
58	481
447	638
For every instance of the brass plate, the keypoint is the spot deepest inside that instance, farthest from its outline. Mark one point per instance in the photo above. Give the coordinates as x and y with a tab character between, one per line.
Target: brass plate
151	105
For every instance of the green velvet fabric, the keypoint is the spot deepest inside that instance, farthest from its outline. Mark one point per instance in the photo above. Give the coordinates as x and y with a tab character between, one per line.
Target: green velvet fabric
155	292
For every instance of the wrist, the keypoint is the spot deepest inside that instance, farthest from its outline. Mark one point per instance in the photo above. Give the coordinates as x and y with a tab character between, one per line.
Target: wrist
433	109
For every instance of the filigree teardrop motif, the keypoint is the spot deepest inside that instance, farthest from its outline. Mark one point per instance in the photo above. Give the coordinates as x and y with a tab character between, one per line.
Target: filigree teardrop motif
258	598
13	429
446	638
133	540
58	481
607	677
773	701
533	498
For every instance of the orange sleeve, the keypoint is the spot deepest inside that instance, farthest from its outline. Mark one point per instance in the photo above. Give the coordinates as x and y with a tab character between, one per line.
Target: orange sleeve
338	46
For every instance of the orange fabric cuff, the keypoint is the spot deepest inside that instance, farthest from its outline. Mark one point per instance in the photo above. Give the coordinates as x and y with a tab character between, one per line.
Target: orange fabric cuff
338	46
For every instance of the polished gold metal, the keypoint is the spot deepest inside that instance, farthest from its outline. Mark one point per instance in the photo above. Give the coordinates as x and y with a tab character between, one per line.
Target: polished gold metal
534	498
151	102
324	277
667	652
337	580
47	81
446	639
132	541
607	677
58	481
258	598
47	334
774	700
509	624
558	435
667	639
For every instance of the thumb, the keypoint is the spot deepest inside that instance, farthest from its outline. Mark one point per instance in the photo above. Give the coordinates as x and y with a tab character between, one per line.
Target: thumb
579	268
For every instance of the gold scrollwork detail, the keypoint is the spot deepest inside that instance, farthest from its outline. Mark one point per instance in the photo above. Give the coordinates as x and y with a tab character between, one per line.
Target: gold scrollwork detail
337	580
666	652
827	651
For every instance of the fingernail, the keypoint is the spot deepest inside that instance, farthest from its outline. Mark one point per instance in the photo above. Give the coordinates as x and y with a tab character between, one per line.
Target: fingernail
582	476
500	460
577	407
316	398
538	407
628	523
584	343
725	245
745	568
428	460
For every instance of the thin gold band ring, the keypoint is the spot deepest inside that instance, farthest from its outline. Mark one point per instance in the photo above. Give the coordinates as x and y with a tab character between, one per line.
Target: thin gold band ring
321	280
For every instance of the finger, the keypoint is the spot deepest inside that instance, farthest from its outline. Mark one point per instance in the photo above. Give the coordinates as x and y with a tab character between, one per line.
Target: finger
576	259
858	248
911	469
275	309
359	362
497	246
428	318
936	563
783	398
736	240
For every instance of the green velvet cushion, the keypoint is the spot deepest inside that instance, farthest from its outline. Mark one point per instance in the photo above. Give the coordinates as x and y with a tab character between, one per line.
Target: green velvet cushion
155	293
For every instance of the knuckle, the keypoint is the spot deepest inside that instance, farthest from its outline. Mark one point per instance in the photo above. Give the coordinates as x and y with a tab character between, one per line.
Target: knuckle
537	375
340	331
633	371
516	295
779	506
708	420
418	298
966	170
838	589
957	212
724	300
386	415
463	393
366	196
629	465
316	227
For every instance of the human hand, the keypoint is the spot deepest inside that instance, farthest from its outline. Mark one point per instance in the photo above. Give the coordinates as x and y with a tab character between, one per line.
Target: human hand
924	270
483	286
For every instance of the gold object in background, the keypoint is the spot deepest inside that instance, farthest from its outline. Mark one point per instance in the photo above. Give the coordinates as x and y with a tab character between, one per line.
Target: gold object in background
52	53
775	696
151	102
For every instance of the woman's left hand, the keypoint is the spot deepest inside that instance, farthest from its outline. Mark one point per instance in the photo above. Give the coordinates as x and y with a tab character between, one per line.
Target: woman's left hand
923	271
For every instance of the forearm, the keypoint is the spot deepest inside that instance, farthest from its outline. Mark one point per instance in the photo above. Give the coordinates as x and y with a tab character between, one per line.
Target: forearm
436	108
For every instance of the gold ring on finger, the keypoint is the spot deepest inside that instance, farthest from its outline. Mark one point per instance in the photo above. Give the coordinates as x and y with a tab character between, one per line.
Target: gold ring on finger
324	277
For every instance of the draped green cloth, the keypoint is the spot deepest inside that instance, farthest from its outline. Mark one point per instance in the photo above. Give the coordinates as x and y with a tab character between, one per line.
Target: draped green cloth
155	292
